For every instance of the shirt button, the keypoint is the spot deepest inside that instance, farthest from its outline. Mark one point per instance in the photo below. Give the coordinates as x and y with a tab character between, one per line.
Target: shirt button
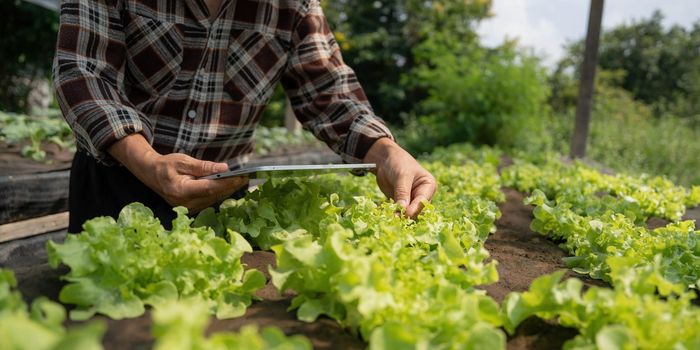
192	114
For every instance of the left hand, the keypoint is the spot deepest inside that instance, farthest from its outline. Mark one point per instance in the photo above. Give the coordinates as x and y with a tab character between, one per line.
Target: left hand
400	176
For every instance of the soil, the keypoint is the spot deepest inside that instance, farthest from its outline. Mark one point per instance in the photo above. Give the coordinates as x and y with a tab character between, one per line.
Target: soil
12	162
522	255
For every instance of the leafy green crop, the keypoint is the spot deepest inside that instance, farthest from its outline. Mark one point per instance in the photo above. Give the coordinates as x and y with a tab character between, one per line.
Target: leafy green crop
269	139
17	128
400	283
603	216
601	220
464	153
180	325
117	267
675	248
629	316
41	326
640	197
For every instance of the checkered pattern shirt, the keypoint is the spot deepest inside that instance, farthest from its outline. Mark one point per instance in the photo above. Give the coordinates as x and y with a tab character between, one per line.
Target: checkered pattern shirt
197	86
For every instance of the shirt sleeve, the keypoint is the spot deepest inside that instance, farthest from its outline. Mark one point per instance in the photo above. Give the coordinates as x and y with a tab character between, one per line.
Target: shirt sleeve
324	92
90	54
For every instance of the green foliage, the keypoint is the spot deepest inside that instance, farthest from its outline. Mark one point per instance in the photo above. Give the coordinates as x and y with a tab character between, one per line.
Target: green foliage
117	267
178	324
403	283
660	66
40	327
667	147
378	37
27	47
181	325
269	139
476	95
638	197
625	136
595	239
464	153
601	220
629	316
645	112
348	255
19	129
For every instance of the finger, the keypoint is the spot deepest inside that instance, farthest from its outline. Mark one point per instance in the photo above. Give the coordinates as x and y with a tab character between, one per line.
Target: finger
202	188
402	190
416	206
196	167
424	190
197	203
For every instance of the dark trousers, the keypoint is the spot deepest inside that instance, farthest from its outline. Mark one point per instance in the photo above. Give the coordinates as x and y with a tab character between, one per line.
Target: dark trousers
100	190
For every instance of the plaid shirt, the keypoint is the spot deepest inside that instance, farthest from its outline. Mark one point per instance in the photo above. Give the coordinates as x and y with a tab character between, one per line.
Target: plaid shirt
197	86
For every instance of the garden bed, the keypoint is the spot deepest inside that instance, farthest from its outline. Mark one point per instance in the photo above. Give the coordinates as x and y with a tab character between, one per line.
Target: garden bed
522	255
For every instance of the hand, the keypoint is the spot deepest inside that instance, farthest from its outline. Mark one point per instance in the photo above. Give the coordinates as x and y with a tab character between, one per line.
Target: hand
400	176
175	179
174	176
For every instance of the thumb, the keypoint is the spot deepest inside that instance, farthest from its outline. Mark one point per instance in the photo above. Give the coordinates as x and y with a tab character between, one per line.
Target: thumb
402	190
197	167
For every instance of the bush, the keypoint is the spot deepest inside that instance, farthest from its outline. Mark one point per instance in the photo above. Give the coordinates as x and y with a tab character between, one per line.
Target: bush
476	95
378	37
626	137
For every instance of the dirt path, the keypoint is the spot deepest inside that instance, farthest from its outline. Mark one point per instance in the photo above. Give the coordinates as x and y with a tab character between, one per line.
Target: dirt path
522	256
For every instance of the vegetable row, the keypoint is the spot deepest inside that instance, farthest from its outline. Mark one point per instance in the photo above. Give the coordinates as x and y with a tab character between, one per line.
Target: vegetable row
401	283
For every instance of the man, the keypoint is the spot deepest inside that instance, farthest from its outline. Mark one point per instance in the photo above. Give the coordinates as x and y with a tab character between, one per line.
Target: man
172	90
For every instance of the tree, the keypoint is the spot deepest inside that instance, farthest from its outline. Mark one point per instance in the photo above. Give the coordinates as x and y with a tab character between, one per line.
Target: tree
378	37
660	65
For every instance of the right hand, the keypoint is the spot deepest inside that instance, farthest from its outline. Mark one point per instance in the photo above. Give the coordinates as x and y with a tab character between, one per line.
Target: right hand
174	176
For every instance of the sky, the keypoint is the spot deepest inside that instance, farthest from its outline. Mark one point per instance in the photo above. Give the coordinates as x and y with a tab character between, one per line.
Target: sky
546	25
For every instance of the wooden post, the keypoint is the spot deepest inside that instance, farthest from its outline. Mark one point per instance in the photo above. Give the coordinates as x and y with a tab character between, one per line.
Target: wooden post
33	227
587	86
290	121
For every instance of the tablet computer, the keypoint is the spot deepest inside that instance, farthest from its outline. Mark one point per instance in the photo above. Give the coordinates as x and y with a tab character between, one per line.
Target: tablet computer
269	171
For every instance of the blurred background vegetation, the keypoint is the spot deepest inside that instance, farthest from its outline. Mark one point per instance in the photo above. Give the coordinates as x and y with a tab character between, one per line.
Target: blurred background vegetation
427	73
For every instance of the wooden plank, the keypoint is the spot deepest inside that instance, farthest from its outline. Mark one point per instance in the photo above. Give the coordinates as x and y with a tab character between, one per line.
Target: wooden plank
32	227
587	86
